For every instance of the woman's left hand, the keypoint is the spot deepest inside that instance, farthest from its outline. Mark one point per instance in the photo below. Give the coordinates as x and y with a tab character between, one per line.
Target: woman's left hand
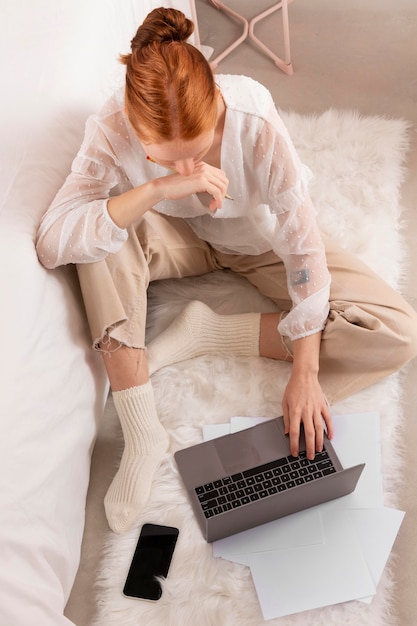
304	403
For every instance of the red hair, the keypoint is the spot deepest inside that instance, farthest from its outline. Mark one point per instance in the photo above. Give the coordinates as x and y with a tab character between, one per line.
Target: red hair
170	90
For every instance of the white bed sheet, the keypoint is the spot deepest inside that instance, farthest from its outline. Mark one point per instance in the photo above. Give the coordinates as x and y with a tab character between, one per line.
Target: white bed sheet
58	63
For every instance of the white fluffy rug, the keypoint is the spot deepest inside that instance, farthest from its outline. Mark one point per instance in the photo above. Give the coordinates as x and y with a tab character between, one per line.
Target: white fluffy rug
357	163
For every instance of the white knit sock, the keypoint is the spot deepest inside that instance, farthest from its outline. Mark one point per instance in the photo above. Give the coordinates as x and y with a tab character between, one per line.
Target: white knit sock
146	442
198	330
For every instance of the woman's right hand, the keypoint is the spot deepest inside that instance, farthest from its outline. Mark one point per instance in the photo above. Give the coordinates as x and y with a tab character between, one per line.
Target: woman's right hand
204	178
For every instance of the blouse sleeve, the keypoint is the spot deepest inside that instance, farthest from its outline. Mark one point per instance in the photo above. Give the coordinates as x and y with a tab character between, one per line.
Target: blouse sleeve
297	240
77	227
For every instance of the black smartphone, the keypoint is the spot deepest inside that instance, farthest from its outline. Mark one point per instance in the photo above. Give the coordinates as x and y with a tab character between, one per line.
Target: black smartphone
151	559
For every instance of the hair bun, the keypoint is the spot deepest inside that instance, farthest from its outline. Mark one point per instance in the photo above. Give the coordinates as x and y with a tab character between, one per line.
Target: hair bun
162	26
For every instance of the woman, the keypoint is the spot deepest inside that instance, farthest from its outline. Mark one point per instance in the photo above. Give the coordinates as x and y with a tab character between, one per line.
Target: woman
148	198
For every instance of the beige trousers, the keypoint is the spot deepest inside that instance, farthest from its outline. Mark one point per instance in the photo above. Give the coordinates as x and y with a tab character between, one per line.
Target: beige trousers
371	330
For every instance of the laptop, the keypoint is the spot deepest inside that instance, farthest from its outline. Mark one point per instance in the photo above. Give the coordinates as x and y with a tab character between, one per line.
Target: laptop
248	478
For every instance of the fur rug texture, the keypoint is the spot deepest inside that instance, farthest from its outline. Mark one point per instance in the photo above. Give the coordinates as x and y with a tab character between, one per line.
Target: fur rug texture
358	167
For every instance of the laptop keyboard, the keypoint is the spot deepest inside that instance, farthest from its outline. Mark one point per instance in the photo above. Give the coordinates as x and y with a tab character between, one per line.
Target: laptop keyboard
261	482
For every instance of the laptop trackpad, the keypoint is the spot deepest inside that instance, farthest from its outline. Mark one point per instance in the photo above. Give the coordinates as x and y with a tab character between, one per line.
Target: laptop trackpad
251	447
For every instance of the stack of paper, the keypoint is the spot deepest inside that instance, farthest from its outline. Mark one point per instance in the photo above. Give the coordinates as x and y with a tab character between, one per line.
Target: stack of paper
330	553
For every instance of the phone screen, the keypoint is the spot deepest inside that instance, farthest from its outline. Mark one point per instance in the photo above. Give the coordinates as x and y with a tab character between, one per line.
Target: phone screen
152	558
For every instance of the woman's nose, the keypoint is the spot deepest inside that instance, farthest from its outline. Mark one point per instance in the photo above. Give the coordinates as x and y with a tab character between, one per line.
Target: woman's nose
185	167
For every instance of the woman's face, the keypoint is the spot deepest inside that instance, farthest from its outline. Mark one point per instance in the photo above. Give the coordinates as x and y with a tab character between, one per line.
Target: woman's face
180	155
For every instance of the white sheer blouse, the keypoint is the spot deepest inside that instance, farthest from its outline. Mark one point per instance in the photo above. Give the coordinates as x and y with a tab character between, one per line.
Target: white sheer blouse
271	207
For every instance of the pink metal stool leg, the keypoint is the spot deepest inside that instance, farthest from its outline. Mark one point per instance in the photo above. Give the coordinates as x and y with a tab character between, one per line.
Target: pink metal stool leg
248	31
284	64
219	5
